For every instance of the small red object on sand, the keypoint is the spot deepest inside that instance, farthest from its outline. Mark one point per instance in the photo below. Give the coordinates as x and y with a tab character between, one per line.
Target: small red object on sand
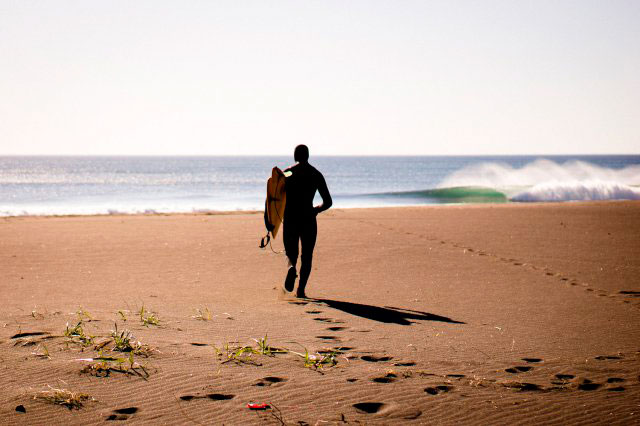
257	406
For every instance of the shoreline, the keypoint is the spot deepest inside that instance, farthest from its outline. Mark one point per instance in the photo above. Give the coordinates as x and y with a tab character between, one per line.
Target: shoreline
411	206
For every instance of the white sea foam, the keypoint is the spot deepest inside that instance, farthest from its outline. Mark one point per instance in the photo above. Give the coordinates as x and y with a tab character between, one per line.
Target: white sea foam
545	180
64	210
578	191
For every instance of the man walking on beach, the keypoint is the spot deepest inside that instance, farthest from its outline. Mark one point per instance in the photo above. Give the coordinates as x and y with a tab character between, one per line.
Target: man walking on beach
300	216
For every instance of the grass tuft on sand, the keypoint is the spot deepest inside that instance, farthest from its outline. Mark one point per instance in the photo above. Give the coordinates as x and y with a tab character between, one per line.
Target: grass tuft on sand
148	318
77	335
124	342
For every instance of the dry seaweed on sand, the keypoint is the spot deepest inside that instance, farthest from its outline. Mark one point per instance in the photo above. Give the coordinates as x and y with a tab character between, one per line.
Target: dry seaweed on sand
203	314
63	397
42	352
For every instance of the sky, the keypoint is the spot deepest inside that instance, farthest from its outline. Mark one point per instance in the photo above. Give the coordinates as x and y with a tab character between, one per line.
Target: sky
345	77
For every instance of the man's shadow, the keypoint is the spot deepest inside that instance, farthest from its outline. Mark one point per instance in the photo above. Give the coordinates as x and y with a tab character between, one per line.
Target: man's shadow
388	314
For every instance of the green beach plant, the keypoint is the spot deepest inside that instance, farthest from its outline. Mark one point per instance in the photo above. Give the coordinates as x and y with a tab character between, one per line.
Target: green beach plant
318	361
77	335
236	354
83	315
124	342
148	318
123	317
265	349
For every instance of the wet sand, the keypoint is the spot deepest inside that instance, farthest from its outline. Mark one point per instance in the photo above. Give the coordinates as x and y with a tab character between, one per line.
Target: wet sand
435	315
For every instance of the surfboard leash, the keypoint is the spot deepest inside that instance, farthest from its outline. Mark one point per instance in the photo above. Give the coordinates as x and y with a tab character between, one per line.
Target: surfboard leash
264	244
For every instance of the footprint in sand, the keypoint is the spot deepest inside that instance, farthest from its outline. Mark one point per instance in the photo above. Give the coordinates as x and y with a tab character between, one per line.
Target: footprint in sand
213	396
562	379
615	388
388	378
329	338
269	380
336	328
588	385
605	357
404	364
199	344
336	349
435	390
456	376
29	334
368	407
373	358
220	396
313	312
329	320
532	360
518	369
565	376
525	387
122	413
299	302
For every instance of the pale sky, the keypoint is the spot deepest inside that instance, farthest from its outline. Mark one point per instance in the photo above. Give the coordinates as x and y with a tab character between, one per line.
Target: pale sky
345	77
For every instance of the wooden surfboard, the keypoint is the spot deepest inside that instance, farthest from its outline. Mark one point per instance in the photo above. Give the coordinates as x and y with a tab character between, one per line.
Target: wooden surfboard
276	199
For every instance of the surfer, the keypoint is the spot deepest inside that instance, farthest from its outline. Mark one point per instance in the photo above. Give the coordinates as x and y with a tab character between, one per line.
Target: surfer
300	216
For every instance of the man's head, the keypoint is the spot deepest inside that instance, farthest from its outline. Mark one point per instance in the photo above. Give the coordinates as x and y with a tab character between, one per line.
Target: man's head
301	154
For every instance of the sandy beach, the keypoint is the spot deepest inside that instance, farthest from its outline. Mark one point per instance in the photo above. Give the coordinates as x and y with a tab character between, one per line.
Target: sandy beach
478	314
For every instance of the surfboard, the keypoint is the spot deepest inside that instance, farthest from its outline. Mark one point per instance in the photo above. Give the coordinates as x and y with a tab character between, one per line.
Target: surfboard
276	200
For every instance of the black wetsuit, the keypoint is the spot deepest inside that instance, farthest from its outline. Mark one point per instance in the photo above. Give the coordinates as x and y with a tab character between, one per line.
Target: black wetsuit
300	216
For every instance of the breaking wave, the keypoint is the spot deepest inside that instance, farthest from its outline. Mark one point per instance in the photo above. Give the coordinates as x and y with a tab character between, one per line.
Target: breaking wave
545	180
578	191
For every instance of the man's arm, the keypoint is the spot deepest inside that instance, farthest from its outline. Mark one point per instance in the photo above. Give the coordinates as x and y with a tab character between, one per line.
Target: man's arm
324	193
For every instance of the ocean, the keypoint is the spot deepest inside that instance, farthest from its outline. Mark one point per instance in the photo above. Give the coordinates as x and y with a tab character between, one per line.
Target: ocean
110	185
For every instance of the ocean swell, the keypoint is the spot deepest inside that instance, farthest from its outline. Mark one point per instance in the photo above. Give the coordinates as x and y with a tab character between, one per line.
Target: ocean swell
461	194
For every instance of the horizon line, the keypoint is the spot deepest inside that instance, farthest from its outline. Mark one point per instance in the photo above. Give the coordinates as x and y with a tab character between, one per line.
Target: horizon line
327	155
